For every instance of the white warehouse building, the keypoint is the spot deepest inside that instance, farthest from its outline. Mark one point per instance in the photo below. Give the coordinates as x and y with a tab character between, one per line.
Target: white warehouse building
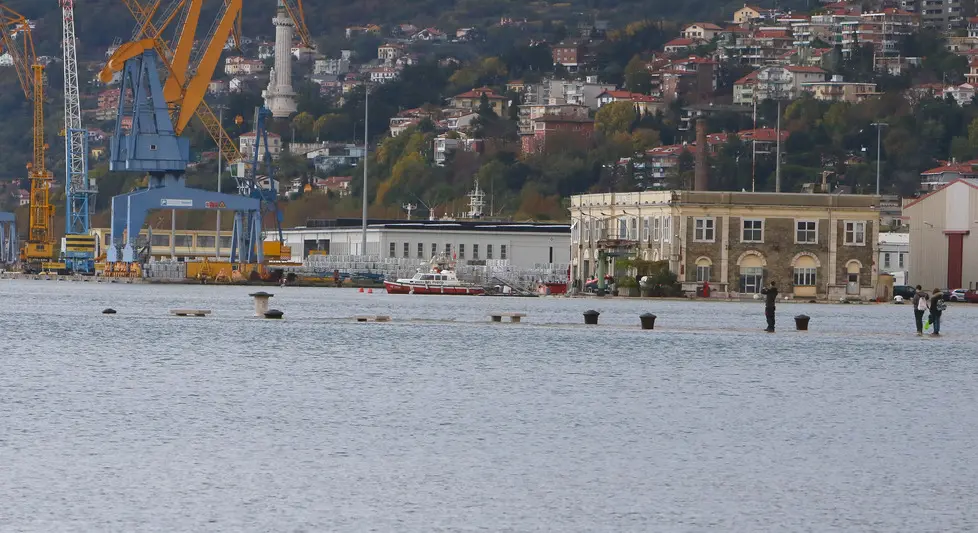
522	245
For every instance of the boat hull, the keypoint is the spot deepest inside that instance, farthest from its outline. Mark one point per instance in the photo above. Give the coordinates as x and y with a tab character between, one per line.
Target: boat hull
394	287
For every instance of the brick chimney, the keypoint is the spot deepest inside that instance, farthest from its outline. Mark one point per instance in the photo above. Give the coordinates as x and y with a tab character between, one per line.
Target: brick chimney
701	178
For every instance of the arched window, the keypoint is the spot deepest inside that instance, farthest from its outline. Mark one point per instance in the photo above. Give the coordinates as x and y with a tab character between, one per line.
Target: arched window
751	272
703	267
805	269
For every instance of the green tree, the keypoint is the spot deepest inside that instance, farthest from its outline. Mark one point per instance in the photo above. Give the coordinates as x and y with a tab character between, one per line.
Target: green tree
638	79
615	117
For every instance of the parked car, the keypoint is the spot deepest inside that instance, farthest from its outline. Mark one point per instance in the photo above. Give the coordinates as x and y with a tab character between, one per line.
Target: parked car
947	294
958	295
971	296
906	291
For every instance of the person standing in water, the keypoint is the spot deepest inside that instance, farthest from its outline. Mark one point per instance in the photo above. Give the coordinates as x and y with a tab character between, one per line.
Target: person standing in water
920	301
770	300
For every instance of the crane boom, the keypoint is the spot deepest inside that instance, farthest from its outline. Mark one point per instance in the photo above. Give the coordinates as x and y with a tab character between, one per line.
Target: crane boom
148	28
39	247
298	16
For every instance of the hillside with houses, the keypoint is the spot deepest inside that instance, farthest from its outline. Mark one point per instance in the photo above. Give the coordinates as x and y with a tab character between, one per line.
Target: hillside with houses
537	110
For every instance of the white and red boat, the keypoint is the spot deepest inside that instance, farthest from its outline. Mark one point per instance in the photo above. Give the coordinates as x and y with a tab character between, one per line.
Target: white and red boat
441	279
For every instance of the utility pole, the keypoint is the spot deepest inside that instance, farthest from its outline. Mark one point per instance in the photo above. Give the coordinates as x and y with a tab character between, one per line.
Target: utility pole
879	137
366	149
777	162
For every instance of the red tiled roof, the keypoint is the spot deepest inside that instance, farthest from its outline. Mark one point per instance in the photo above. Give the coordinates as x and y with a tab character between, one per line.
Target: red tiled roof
477	93
960	168
748	79
679	42
763	135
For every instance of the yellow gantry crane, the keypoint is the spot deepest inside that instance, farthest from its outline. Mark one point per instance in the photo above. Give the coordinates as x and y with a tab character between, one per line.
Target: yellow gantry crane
17	41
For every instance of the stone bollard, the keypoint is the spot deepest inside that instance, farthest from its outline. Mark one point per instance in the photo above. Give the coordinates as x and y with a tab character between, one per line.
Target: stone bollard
648	320
261	302
801	322
591	317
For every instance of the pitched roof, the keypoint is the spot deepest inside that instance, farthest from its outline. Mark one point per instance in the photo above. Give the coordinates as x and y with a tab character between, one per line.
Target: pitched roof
477	93
679	42
763	135
960	168
705	26
967	182
748	79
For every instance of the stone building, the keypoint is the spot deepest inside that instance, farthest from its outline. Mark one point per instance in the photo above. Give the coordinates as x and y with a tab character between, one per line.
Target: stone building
811	245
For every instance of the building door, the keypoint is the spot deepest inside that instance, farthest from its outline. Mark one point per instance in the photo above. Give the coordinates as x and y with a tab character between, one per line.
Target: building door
955	259
852	283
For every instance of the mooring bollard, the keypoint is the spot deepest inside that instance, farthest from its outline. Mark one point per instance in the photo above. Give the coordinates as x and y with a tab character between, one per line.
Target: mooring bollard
591	317
261	302
108	311
274	314
801	322
648	320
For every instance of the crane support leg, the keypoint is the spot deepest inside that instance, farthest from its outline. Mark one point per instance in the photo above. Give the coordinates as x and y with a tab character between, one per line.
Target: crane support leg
129	213
8	239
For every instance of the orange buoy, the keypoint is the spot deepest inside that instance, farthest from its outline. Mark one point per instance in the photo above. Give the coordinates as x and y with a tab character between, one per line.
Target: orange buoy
361	289
370	291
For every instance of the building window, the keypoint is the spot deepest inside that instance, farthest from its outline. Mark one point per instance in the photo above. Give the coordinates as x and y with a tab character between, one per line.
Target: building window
393	253
900	259
407	250
667	229
856	233
160	240
488	251
206	241
622	228
805	277
657	229
183	241
806	232
646	230
475	251
753	231
703	266
576	231
225	242
886	260
420	250
434	249
633	229
461	251
587	230
502	251
751	279
448	249
704	230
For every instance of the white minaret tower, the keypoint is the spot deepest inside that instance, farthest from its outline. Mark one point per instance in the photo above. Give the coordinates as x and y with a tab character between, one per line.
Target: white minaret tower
279	97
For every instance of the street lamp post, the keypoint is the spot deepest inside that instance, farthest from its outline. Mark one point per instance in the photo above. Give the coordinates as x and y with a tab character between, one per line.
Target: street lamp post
366	148
879	135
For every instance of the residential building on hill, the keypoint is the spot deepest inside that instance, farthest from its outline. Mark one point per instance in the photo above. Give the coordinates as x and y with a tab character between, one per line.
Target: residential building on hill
837	90
473	99
811	245
570	54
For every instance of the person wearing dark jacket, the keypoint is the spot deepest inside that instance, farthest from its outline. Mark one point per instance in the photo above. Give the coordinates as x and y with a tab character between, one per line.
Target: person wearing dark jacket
936	302
919	310
770	299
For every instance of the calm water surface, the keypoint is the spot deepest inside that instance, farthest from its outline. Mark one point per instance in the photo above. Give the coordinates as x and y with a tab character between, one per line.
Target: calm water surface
441	421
